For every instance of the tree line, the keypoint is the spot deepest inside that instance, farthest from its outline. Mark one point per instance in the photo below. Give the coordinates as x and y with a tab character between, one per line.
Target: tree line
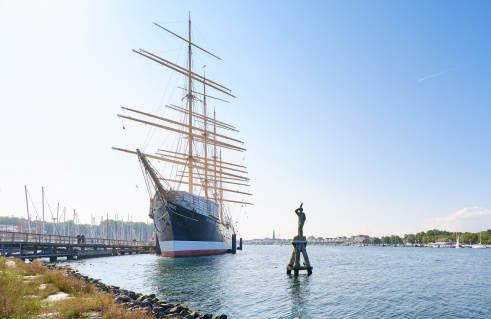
431	236
434	234
387	240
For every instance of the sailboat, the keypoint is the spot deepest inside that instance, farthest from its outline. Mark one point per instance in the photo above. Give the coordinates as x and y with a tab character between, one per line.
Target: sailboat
480	245
457	245
196	221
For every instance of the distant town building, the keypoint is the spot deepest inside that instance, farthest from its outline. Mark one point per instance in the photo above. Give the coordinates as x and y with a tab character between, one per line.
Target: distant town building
359	238
8	228
443	241
35	227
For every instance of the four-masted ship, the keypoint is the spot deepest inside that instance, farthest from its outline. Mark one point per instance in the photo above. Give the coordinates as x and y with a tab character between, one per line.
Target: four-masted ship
196	222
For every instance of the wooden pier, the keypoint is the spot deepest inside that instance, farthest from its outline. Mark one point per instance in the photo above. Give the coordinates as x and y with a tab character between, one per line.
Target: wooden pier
30	246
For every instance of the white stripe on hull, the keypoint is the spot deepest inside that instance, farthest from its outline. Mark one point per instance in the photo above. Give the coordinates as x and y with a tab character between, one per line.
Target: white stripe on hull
178	248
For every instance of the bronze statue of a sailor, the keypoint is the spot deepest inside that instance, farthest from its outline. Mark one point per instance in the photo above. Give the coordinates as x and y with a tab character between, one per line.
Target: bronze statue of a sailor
299	248
301	220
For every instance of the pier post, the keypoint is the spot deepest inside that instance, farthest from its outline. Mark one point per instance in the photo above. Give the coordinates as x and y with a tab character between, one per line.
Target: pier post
234	244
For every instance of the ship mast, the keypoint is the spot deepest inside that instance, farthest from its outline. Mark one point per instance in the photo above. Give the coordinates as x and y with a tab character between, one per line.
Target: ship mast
215	155
190	111
206	135
217	173
221	189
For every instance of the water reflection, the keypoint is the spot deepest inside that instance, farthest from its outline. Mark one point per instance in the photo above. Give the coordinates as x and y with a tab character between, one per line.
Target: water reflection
299	292
189	279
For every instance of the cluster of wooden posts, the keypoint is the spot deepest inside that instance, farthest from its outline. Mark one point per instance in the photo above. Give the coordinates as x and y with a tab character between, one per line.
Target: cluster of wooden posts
299	247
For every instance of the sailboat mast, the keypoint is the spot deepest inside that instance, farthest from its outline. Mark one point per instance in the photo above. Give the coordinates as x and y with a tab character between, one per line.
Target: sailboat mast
28	217
190	111
206	135
43	211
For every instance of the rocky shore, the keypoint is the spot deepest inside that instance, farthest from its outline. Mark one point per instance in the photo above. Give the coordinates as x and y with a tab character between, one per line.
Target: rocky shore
133	301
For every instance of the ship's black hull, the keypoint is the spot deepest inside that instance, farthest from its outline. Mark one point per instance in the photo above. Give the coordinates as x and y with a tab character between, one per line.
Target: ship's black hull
184	232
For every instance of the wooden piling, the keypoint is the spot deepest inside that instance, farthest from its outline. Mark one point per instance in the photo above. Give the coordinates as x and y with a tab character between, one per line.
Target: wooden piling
299	248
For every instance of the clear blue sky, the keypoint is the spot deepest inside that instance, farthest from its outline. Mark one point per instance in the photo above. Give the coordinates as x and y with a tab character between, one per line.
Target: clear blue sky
335	102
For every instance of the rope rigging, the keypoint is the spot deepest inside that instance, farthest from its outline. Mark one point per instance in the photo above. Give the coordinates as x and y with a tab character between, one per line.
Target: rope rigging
190	152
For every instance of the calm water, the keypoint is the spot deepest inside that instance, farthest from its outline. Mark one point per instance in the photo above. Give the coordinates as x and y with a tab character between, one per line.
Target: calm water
348	282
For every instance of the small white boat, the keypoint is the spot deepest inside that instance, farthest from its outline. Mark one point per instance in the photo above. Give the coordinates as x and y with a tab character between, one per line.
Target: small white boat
480	245
457	243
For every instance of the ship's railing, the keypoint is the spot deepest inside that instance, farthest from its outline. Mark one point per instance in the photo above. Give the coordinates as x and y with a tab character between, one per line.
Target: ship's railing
15	237
154	204
201	203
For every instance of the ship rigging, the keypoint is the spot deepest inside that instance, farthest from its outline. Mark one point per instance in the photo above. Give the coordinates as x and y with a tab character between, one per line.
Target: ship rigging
180	216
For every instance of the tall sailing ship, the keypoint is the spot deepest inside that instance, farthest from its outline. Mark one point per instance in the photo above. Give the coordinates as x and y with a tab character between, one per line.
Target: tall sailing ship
196	222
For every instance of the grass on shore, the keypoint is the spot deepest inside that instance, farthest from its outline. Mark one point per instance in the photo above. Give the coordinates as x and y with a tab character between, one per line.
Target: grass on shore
24	288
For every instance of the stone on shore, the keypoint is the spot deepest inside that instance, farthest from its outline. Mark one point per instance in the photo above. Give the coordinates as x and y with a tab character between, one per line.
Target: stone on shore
146	303
123	299
58	296
133	296
177	309
158	310
166	305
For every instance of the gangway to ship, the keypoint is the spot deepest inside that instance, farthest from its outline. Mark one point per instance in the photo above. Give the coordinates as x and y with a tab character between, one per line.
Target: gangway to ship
30	246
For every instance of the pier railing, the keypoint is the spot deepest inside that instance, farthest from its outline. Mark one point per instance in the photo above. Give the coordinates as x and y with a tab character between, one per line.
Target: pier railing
29	238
